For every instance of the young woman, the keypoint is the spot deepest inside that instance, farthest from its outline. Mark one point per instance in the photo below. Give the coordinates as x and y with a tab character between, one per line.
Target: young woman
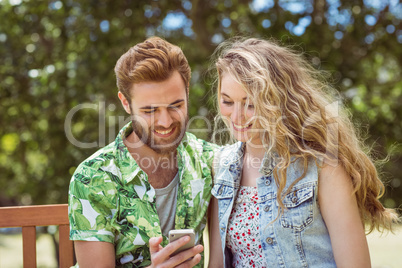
297	189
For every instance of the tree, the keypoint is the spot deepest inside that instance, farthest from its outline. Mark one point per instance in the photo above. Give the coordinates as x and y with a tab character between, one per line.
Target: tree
58	59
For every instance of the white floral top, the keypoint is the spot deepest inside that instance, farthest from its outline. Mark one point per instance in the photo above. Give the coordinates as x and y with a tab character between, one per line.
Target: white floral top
243	233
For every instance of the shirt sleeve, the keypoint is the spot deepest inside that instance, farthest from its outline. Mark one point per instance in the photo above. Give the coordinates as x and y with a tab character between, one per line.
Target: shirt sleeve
210	151
92	203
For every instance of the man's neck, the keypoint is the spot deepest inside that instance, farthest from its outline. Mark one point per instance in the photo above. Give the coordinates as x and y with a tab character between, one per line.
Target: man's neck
160	168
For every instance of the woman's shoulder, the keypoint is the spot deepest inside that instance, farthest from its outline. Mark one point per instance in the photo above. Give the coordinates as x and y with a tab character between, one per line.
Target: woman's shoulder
231	148
226	155
229	152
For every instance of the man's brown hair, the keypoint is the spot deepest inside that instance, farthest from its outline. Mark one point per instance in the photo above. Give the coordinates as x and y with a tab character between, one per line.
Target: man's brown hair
152	60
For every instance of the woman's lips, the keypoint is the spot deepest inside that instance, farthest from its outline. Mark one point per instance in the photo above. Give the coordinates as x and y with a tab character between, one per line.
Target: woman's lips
241	128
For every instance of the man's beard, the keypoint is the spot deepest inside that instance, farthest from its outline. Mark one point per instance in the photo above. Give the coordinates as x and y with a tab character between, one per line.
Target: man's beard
169	144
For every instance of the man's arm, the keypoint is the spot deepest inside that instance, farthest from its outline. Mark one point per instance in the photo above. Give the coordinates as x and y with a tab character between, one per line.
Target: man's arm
101	254
94	254
91	202
160	257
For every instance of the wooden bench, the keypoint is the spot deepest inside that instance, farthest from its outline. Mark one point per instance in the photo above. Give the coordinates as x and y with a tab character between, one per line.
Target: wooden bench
28	217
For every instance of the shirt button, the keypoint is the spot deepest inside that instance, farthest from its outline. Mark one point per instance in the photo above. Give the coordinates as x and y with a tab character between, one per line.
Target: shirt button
268	182
294	199
220	191
269	240
266	208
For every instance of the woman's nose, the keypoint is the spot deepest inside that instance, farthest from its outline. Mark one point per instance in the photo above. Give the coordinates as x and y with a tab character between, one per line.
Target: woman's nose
238	113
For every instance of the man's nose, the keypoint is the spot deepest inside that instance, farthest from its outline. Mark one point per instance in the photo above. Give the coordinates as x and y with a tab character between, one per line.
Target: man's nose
164	119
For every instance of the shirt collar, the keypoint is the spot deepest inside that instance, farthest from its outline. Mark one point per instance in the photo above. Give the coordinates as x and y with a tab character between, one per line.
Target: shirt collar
128	166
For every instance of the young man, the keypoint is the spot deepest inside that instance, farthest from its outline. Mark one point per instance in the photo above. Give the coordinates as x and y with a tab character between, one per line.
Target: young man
154	177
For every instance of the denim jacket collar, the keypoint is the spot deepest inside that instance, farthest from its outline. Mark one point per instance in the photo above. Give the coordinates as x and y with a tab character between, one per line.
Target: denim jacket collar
268	163
234	161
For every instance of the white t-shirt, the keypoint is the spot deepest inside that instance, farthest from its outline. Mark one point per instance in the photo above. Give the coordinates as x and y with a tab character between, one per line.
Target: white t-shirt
166	205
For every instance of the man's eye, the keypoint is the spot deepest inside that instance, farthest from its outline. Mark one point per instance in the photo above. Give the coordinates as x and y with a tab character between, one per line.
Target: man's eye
149	111
175	107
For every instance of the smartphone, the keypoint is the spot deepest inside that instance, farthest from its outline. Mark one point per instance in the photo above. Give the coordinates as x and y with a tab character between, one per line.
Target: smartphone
176	234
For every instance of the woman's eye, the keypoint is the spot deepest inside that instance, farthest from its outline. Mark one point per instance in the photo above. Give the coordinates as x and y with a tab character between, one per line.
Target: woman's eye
250	106
227	102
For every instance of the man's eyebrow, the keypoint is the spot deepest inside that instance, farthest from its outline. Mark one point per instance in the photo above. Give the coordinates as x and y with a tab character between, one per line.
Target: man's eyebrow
176	102
150	107
227	96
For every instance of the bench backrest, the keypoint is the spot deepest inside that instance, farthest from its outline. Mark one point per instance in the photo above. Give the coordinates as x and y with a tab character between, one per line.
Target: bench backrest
28	217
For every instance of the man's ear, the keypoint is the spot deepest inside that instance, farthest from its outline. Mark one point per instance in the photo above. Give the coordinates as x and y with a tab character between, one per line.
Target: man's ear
124	102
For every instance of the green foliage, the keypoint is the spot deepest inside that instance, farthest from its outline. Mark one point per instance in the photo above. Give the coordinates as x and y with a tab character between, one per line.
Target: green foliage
57	55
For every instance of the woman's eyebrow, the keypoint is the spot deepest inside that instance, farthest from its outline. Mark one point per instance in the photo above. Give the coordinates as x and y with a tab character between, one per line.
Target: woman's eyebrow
227	96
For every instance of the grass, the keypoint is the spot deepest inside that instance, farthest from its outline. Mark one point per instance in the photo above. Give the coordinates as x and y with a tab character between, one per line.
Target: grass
385	250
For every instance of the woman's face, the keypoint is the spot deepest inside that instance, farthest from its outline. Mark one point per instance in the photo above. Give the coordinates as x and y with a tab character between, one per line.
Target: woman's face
239	116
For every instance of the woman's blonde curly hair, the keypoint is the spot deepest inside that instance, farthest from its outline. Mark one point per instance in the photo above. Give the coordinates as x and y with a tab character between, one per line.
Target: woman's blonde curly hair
302	119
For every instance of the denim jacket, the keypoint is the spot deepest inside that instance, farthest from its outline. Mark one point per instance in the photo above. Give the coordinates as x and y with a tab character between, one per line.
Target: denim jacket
299	237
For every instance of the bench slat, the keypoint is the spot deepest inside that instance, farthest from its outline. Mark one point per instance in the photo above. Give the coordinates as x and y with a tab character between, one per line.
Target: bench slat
29	246
66	249
33	215
28	217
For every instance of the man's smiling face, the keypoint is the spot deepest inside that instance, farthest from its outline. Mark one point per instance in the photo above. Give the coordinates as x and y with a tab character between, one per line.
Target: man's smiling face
159	113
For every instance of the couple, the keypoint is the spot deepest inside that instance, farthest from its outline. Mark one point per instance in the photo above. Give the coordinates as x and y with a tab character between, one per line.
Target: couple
294	191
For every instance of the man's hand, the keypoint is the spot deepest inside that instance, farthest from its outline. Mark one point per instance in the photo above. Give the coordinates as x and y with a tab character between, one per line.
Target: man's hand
160	257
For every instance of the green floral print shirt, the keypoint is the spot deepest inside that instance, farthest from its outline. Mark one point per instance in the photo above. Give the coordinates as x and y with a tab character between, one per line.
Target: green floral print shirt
111	200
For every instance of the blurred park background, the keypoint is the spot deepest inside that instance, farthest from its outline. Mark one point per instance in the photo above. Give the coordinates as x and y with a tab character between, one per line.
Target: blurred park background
58	97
